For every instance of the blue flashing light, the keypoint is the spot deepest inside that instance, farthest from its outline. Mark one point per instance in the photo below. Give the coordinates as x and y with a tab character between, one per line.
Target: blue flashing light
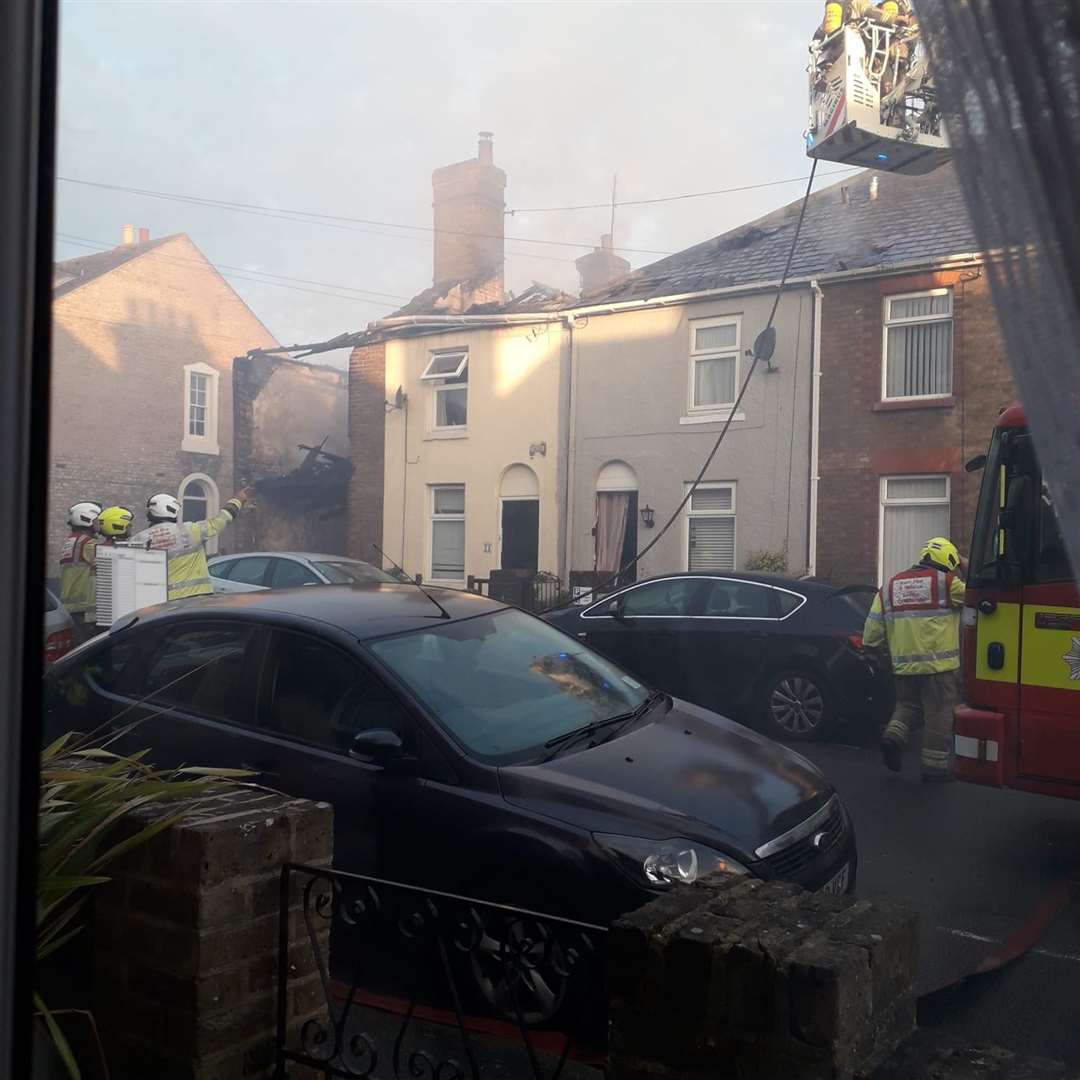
883	157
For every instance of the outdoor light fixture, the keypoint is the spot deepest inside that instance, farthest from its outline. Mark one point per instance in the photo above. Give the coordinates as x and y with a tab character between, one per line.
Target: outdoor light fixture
648	516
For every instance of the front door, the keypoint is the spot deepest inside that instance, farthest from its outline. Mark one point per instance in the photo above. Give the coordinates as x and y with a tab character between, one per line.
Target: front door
520	534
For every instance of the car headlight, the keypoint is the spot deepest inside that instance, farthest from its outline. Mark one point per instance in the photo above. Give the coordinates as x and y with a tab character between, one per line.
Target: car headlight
660	863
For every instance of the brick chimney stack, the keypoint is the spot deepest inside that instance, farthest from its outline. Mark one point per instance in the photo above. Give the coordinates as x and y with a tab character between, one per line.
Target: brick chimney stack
600	266
469	210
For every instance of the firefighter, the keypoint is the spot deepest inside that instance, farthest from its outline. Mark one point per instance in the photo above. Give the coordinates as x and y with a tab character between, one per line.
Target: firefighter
917	615
185	541
114	524
77	567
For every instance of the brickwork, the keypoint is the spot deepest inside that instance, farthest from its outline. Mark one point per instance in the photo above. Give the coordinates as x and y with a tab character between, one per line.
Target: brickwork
186	941
120	345
863	440
736	977
367	422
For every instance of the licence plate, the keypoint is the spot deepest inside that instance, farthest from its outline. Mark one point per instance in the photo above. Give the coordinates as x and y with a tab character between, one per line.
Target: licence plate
837	885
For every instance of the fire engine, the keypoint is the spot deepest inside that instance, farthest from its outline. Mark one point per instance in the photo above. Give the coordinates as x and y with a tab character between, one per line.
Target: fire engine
872	94
1019	726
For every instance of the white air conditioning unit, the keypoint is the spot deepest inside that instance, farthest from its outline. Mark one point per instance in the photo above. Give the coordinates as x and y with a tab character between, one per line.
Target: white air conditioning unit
128	578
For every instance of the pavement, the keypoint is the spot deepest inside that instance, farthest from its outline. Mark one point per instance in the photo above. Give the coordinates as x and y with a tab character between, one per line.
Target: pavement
976	863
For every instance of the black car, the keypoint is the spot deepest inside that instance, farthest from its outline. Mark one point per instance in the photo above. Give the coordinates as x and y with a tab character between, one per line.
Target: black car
769	650
465	745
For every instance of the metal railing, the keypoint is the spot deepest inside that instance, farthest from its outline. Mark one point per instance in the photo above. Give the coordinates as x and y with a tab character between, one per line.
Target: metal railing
533	592
430	985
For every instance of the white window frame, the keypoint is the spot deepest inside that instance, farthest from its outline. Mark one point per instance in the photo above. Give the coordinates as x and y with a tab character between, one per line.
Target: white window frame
711	485
441	382
208	442
887	323
432	518
213	501
884	501
720	409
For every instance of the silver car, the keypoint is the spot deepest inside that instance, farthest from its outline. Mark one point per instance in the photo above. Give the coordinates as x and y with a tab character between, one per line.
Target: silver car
256	570
59	629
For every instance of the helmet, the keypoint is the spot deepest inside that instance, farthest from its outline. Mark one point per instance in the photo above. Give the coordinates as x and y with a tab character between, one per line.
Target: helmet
942	553
83	515
163	507
115	521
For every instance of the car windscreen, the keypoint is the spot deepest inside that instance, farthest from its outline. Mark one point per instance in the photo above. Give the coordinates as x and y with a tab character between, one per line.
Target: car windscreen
351	573
507	682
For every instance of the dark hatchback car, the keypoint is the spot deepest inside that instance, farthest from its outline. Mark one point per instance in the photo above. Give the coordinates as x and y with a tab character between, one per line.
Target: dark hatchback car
465	745
783	654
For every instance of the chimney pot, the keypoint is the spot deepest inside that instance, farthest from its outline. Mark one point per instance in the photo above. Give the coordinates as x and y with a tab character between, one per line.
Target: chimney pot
127	235
605	242
600	266
144	235
486	151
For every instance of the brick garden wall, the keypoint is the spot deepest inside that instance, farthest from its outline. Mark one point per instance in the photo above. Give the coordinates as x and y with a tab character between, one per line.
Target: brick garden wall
863	440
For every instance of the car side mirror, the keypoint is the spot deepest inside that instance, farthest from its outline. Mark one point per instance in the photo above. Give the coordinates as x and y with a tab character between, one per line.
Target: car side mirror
378	746
977	463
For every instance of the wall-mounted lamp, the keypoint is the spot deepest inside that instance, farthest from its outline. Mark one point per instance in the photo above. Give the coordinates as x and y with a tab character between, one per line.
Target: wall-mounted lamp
538	448
648	516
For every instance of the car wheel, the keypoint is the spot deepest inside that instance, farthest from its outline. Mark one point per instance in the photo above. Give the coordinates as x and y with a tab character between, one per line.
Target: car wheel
797	705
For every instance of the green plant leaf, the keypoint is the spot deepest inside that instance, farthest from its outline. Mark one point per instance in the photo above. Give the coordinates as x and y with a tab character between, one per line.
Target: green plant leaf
58	883
63	1047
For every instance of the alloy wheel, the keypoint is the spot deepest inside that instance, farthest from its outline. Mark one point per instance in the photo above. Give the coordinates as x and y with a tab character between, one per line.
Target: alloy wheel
797	705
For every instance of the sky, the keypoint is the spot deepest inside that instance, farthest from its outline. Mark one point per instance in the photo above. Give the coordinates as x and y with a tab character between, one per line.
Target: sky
345	108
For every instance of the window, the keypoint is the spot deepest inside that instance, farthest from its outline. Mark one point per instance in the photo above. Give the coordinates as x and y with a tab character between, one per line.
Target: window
250	571
288	574
222	569
448	532
87	695
200	410
913	508
918	345
198	496
194	503
323	696
449	372
507	682
789	602
710	528
202	670
353	572
673	596
738	600
714	363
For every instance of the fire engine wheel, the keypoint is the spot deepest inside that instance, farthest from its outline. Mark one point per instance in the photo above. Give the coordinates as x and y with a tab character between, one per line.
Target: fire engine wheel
797	705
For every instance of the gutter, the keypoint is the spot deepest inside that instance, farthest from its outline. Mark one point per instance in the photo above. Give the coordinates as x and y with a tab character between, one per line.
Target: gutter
815	430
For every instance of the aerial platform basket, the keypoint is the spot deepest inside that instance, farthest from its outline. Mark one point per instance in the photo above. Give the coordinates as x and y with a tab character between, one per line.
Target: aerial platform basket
872	98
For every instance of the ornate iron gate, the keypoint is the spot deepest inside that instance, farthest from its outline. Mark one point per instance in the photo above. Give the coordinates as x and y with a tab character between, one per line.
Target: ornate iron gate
433	986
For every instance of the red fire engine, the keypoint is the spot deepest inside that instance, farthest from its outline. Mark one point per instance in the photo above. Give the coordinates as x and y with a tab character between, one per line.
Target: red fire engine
1020	724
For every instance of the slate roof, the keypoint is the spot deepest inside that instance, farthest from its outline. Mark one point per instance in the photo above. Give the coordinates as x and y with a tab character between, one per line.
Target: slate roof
912	218
71	273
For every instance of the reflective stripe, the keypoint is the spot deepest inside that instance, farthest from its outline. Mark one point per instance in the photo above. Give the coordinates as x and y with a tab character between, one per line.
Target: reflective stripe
190	583
977	749
926	613
876	616
922	658
942	590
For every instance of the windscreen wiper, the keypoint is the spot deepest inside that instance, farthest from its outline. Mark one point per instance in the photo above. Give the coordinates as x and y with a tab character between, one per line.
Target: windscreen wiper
561	742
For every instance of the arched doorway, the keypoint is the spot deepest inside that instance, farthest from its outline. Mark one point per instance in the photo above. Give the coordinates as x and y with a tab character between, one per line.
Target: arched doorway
199	500
616	519
519	520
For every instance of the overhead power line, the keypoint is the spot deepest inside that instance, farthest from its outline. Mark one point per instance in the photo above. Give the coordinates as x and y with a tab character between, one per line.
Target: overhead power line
319	218
675	198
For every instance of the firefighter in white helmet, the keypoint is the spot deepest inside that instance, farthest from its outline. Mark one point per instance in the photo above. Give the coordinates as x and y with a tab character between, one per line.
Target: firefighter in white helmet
917	617
77	591
185	541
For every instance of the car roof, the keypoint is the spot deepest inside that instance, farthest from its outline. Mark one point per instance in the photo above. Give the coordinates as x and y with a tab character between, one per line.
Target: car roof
366	610
781	581
311	556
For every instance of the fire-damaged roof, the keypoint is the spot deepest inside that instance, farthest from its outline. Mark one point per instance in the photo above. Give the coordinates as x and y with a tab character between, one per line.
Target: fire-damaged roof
454	298
912	218
71	273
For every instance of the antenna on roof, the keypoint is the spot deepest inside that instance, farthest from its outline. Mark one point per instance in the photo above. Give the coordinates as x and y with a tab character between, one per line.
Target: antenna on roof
443	613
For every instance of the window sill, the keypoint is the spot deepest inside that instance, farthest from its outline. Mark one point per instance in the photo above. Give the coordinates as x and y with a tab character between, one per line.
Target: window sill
446	433
905	404
719	417
193	444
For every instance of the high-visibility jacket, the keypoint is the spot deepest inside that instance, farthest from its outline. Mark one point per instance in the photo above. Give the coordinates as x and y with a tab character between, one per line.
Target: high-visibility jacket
185	543
918	614
77	579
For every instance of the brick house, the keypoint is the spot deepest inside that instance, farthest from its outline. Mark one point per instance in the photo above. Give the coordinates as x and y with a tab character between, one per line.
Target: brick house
913	373
144	337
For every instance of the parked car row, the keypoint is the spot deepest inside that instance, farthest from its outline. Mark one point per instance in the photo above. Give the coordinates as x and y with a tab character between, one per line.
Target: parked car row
466	745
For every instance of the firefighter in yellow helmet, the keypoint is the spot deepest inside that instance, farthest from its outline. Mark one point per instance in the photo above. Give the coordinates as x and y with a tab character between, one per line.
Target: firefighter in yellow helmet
77	582
114	523
917	615
185	541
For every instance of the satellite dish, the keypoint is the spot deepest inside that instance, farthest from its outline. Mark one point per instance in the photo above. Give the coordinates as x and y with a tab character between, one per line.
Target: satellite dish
400	398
